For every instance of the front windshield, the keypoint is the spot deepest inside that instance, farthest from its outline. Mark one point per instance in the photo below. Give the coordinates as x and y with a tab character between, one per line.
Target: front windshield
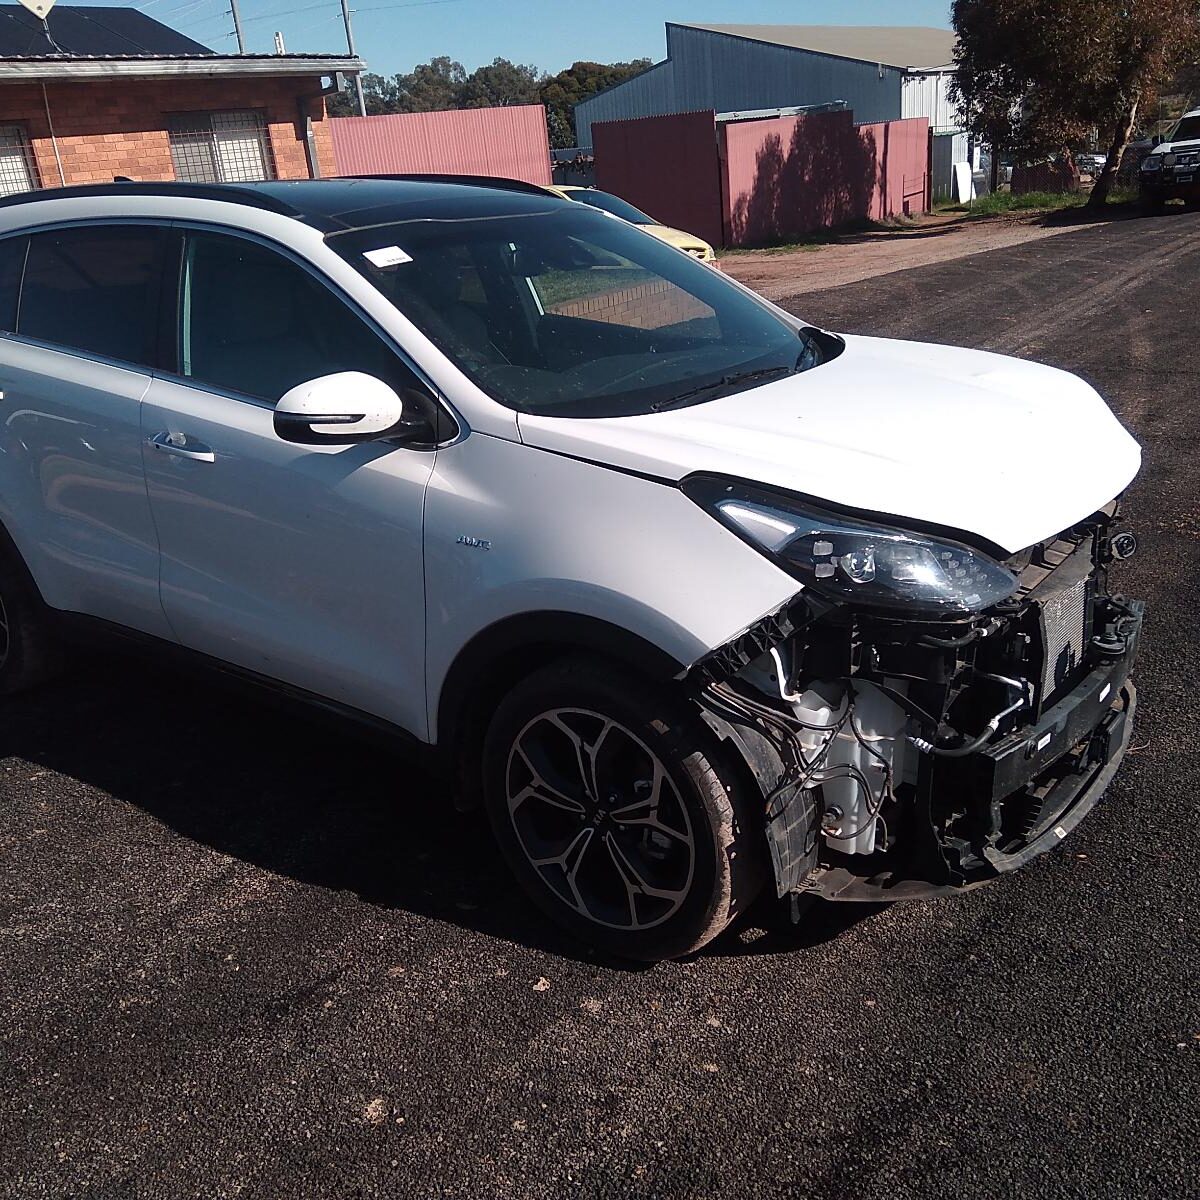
613	204
1186	131
569	313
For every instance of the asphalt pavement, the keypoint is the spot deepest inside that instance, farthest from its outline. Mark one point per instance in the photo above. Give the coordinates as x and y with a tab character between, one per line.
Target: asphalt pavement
244	953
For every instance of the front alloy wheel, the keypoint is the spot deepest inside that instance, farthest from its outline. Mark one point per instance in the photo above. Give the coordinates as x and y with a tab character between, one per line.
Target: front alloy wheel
599	818
616	814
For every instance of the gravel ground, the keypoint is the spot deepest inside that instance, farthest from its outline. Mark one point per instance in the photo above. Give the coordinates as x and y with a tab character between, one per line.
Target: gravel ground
932	238
245	954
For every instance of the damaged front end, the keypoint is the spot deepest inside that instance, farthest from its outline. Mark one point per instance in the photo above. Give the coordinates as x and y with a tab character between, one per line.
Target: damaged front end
904	756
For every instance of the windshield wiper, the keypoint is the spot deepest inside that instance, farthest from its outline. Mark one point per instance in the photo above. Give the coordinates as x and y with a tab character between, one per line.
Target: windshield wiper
725	381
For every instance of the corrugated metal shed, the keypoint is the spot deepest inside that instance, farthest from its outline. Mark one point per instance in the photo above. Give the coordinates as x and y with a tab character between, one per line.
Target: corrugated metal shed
929	96
509	143
905	47
711	67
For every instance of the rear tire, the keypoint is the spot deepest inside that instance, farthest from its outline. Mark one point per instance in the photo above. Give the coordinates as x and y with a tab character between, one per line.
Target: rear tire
29	649
617	812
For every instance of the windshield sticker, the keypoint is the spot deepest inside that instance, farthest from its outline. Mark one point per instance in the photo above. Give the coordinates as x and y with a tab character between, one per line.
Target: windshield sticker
387	256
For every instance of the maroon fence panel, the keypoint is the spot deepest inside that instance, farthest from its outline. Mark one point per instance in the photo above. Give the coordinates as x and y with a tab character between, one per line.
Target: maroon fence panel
901	166
505	142
788	176
666	166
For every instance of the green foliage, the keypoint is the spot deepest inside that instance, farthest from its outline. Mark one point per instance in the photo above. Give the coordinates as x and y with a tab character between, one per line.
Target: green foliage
1002	202
503	83
443	83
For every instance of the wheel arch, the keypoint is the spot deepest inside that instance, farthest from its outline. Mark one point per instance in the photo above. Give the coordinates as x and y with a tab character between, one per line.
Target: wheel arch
10	551
498	656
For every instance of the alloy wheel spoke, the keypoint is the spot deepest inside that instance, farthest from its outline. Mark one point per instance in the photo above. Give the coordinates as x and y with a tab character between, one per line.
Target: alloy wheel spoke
644	812
569	862
634	880
543	790
585	752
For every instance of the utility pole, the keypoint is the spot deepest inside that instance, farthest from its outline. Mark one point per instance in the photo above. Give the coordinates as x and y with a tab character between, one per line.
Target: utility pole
362	103
237	25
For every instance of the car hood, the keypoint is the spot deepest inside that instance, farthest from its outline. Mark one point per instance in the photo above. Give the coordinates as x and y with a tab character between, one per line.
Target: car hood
1002	449
1176	147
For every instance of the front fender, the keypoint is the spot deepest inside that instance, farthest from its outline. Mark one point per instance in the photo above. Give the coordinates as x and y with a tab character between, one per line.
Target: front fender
512	530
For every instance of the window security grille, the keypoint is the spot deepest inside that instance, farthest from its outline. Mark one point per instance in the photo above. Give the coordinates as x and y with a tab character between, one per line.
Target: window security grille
226	147
18	172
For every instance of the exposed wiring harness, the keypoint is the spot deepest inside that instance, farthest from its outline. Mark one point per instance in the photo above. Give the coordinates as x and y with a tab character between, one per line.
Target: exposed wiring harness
810	772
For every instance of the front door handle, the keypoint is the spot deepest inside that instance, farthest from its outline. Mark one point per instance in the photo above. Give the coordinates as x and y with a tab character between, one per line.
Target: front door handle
182	447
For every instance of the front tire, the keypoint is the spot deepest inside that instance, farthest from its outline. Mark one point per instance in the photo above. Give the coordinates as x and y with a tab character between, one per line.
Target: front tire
615	809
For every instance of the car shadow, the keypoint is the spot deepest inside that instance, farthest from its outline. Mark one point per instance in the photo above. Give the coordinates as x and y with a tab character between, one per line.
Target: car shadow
296	792
1083	215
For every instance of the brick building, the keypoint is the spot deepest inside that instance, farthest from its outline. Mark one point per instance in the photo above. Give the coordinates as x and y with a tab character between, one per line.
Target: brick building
111	92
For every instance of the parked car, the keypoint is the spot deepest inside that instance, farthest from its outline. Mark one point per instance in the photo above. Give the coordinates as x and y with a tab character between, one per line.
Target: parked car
1171	171
1092	164
695	598
607	202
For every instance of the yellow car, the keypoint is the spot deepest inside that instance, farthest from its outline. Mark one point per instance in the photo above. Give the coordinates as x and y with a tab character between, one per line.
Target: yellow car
607	202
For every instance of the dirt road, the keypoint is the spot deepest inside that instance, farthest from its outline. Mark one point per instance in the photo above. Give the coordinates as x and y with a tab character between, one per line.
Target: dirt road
777	274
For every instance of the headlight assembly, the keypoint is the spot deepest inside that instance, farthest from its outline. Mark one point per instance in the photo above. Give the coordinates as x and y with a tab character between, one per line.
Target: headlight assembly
1153	163
857	561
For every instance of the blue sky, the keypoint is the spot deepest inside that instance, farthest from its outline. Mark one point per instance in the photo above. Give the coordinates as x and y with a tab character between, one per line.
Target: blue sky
392	35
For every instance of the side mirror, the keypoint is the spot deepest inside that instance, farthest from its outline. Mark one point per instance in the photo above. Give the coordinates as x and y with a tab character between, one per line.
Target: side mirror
342	410
1157	140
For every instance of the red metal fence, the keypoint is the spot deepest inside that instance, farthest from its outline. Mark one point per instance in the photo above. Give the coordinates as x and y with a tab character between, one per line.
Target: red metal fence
507	142
751	183
666	166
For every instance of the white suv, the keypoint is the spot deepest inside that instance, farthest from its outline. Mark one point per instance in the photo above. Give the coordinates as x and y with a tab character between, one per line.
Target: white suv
696	599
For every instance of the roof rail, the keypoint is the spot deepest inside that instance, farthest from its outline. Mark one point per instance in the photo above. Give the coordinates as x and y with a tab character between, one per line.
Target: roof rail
230	193
491	181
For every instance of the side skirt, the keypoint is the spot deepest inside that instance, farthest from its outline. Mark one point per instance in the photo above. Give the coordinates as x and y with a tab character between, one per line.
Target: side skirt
107	636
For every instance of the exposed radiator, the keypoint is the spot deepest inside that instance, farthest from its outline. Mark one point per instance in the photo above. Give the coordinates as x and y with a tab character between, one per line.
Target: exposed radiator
1064	629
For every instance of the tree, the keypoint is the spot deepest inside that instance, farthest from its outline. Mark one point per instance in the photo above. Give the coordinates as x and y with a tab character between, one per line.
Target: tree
429	87
560	93
432	86
502	84
1034	77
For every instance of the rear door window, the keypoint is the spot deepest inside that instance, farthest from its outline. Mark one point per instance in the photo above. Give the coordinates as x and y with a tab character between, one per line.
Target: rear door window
96	289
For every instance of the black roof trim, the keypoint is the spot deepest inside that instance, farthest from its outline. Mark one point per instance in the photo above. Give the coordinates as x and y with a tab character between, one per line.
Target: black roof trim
331	206
229	193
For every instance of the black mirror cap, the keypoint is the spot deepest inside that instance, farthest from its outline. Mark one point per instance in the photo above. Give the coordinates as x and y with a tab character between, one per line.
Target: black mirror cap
1157	139
416	430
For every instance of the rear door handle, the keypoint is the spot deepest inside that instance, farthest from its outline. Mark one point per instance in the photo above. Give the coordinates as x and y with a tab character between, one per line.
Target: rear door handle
186	448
